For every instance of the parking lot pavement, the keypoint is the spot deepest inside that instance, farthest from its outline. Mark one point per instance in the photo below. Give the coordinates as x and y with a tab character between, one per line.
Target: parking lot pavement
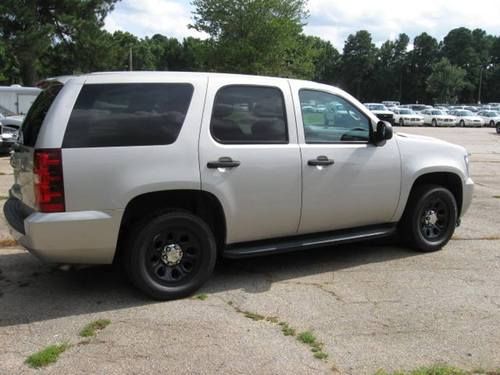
371	306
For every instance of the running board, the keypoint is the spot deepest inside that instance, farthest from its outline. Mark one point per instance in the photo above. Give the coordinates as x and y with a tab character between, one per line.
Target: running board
288	244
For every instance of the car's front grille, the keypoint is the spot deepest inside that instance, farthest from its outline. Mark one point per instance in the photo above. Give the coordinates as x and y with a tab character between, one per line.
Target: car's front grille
385	117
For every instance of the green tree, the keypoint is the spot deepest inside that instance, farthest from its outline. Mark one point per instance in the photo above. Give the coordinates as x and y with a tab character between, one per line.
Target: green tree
445	81
390	68
30	27
325	59
252	36
424	54
358	62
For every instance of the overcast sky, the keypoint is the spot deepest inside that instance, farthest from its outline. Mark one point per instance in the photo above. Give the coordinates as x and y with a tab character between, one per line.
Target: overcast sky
333	20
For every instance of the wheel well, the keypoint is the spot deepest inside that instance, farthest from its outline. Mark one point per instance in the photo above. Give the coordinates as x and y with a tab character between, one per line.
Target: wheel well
200	203
448	180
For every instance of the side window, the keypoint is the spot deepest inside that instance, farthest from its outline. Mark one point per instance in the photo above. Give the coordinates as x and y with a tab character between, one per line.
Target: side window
34	119
131	114
330	119
249	115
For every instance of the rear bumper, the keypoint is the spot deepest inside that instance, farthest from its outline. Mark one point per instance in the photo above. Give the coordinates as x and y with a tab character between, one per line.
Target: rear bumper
81	237
467	195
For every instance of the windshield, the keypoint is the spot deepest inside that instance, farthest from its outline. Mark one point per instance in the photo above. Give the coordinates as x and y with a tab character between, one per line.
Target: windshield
464	113
418	107
437	113
405	112
377	107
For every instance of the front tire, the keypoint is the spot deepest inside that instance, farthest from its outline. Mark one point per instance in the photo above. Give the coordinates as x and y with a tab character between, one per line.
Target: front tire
434	123
171	255
498	128
492	123
401	122
429	219
461	123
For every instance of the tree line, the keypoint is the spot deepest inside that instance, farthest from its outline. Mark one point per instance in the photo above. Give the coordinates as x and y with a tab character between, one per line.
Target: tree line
57	37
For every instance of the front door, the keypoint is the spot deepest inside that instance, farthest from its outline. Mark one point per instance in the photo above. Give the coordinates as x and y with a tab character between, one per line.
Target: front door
347	181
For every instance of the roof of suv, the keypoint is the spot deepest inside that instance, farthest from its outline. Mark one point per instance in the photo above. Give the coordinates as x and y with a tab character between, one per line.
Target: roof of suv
134	75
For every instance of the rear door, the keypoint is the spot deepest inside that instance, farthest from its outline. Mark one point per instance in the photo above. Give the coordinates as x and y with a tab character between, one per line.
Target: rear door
22	158
249	156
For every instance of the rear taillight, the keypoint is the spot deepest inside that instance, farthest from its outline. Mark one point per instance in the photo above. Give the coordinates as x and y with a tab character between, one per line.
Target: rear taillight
48	178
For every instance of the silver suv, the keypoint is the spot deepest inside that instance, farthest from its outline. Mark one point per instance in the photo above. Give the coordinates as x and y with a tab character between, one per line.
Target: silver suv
164	172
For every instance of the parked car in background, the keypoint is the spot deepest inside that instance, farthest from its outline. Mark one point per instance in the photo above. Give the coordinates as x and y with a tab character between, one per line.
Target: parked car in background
406	117
490	118
467	118
417	107
436	117
381	112
154	171
390	104
9	132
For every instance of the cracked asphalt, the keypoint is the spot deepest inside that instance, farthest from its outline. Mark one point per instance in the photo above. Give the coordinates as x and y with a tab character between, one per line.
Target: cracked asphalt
372	306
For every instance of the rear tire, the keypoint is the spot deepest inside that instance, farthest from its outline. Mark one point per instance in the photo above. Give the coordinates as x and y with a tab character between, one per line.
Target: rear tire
401	122
498	128
461	123
429	219
170	256
434	123
492	123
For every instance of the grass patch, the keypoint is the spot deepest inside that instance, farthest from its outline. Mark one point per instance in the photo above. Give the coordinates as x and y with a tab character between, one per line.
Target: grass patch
432	370
496	196
201	297
286	329
91	329
3	197
308	338
272	319
46	356
320	355
253	316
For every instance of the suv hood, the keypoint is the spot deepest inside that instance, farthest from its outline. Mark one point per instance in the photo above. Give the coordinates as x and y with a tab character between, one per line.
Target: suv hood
424	140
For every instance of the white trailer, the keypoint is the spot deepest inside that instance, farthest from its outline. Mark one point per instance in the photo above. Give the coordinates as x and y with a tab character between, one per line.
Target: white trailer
17	99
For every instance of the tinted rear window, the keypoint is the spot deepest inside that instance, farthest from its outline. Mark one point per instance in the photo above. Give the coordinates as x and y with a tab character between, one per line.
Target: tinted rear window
135	114
34	119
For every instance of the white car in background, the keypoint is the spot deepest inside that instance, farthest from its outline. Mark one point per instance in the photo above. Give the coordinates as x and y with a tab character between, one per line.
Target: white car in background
490	118
467	118
381	112
406	117
417	108
436	117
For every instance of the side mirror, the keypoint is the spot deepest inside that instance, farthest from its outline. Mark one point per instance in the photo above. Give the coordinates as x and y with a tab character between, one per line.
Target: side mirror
383	133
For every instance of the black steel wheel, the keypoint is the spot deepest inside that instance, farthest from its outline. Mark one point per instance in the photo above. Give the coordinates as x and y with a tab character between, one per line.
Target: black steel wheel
171	255
429	219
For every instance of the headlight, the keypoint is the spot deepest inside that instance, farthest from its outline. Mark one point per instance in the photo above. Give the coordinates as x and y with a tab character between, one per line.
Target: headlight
466	159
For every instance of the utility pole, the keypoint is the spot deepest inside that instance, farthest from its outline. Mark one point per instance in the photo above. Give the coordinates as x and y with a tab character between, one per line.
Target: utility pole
130	59
480	84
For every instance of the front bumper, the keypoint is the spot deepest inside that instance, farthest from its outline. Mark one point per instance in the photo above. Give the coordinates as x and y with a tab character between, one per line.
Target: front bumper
467	195
79	237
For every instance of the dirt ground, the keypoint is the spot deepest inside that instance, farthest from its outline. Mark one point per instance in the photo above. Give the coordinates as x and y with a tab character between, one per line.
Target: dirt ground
369	306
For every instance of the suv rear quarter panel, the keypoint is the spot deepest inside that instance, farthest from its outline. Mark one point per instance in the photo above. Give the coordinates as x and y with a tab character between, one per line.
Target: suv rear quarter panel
107	178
